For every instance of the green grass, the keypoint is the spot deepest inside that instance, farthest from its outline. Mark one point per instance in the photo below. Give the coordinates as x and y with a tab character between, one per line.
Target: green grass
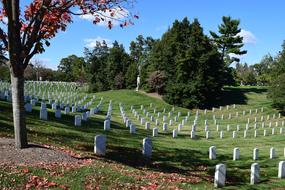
182	155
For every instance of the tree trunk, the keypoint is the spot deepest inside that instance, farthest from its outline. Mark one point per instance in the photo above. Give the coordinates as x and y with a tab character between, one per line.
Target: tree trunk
18	110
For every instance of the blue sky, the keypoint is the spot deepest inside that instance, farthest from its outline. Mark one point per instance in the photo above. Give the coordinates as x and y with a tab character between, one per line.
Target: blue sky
262	23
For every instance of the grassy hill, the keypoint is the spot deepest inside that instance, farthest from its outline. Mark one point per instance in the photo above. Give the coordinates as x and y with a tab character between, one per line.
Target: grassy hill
177	162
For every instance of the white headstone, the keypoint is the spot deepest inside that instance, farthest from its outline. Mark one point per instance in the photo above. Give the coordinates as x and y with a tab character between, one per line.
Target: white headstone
155	132
43	114
220	176
221	134
272	153
142	121
66	110
147	147
132	129
100	145
147	125
244	133
180	126
264	132
164	127
255	133
254	174
107	125
212	153
208	134
77	120
174	133
236	154
193	134
234	134
281	169
255	154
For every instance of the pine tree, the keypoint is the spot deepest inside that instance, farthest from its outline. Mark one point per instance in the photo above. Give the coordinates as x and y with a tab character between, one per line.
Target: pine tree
229	42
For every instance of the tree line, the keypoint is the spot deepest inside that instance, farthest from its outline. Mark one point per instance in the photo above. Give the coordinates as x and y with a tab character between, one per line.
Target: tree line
185	66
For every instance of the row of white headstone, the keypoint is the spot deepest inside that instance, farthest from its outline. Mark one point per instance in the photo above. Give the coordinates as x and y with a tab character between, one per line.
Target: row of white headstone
220	174
236	153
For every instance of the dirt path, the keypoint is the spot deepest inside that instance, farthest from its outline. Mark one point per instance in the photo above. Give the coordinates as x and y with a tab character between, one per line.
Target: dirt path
33	155
153	95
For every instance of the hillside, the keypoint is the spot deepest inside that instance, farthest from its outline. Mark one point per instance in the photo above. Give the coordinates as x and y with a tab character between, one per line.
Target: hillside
176	162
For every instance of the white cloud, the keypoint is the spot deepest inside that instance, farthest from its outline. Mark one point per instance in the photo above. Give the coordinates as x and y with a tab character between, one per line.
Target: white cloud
119	15
91	42
248	37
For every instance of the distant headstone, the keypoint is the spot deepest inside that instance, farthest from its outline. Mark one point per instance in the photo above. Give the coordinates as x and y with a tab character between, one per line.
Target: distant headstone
147	125
164	127
157	122
77	120
66	110
255	133
234	134
107	125
73	109
43	114
221	134
272	153
180	126
244	133
84	116
264	132
255	153
212	153
236	154
208	134
174	133
155	132
170	122
193	134
132	129
142	121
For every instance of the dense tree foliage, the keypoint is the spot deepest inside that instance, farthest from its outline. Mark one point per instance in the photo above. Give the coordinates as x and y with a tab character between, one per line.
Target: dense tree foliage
192	65
277	90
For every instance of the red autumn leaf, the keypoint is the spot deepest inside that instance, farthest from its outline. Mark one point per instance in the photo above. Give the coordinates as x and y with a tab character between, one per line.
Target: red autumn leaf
26	170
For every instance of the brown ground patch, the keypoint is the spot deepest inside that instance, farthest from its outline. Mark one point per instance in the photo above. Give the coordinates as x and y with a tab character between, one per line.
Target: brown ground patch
35	154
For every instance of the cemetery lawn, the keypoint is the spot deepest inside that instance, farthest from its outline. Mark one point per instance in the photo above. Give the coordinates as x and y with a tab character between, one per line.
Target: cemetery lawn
180	162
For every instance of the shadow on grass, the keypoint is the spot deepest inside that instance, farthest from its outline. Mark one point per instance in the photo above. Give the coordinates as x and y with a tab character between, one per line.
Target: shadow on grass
231	95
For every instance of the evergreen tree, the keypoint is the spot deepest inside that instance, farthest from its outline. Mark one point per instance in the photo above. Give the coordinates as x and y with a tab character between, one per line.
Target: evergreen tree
97	71
191	63
229	42
139	53
117	62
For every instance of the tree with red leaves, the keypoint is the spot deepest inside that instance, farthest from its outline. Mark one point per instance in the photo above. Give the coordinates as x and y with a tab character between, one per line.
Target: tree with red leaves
25	33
